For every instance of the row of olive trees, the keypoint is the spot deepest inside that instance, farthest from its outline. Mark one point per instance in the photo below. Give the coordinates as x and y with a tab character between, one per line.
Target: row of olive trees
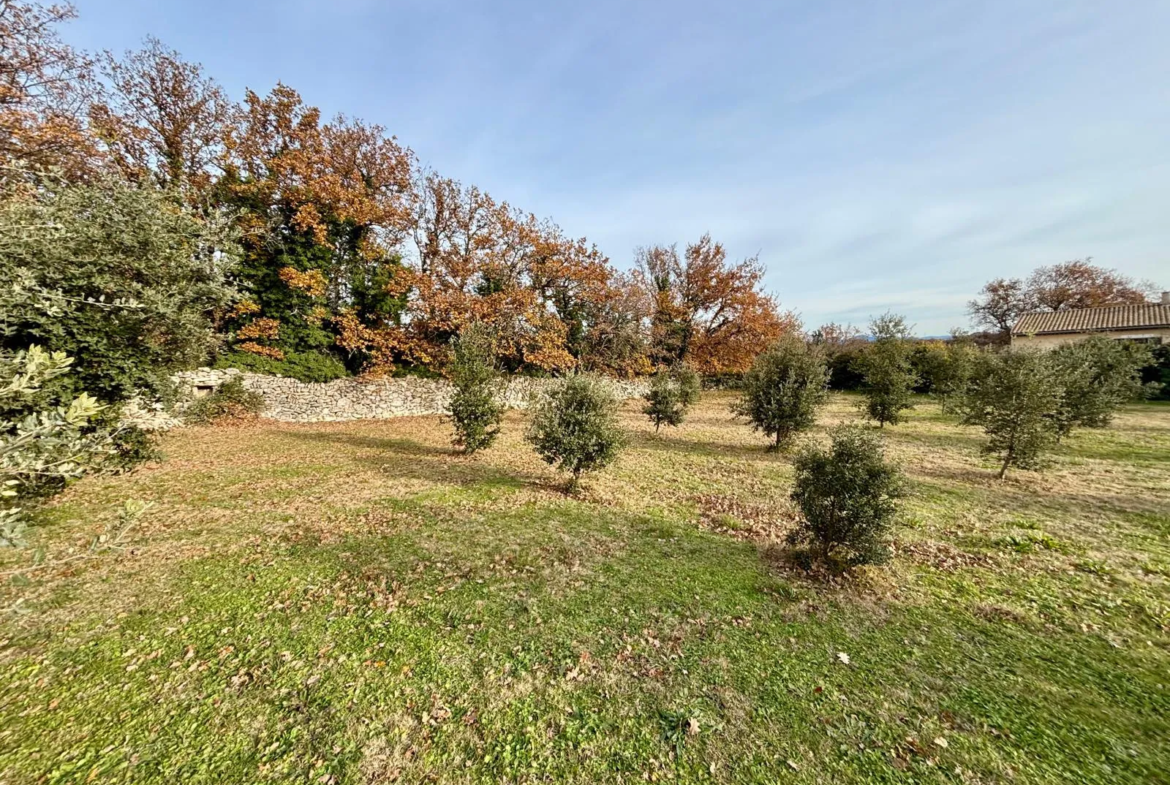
574	426
1024	400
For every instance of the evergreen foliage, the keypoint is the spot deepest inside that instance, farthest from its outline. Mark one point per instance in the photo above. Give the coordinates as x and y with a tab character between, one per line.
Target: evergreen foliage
476	410
575	428
309	366
130	279
231	400
1016	396
671	393
847	497
784	388
1097	376
45	445
885	365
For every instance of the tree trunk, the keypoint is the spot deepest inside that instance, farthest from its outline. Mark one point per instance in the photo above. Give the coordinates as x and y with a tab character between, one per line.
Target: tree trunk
1007	459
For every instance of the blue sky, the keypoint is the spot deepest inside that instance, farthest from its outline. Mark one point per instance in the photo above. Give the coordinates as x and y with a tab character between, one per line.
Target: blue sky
877	155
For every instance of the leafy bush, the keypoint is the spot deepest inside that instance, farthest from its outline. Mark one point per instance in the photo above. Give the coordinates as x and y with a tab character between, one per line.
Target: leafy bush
231	400
889	377
848	499
782	392
44	446
1097	376
671	393
1156	375
302	366
944	368
844	363
127	278
575	428
476	410
1016	397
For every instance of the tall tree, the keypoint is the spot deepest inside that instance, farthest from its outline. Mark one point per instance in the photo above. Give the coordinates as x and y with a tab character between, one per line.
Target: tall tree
1000	304
1057	287
162	116
44	84
708	312
1082	284
323	210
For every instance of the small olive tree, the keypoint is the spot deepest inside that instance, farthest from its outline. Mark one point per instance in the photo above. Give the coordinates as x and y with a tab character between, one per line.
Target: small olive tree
575	428
887	371
1016	397
672	392
848	498
784	388
476	410
1097	376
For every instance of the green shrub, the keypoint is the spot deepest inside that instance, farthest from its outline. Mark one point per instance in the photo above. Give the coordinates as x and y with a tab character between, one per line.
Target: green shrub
889	377
302	366
575	428
231	400
127	278
671	393
44	446
1097	376
475	410
848	497
784	388
1016	397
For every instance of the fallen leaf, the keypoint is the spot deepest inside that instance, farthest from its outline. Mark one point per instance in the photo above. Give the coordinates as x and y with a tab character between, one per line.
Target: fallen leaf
843	657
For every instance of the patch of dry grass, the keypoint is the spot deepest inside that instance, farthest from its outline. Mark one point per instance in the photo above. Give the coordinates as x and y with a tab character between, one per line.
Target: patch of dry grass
478	625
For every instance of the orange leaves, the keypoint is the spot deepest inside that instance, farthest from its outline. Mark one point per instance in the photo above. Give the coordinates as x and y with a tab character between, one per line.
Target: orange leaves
245	308
264	351
385	347
708	311
262	328
343	171
311	282
43	88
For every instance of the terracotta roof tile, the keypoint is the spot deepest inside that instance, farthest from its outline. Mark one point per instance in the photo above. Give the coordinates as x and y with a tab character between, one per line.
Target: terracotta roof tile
1114	317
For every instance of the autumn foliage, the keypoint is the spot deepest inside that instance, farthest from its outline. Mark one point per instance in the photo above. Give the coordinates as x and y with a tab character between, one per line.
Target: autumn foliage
352	250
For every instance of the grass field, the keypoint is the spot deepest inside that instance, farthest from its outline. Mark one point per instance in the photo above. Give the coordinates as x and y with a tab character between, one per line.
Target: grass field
354	603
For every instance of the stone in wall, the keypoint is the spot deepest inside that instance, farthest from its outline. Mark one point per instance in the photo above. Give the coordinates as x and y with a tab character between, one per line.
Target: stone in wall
290	400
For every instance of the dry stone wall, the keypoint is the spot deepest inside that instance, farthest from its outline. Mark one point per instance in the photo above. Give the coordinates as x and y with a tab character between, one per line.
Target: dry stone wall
360	399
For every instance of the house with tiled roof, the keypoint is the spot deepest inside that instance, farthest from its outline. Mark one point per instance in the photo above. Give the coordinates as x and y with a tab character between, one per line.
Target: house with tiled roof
1147	323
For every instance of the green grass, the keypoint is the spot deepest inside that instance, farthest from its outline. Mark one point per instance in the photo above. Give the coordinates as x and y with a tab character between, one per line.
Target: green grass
354	603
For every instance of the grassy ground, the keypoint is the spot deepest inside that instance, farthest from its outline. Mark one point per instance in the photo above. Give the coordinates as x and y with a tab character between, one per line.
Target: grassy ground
354	603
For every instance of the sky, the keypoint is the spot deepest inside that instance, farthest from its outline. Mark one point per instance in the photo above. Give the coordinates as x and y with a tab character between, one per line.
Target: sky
875	155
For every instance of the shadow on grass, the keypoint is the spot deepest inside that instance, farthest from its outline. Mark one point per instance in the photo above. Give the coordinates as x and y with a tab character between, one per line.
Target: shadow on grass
406	459
380	443
665	442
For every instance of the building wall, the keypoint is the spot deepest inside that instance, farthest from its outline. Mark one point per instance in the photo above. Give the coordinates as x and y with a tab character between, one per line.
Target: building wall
1053	341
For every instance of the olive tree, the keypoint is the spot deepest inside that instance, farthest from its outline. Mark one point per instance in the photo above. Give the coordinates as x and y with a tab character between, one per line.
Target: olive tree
575	428
786	385
887	371
672	392
475	409
848	498
1016	397
1097	376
